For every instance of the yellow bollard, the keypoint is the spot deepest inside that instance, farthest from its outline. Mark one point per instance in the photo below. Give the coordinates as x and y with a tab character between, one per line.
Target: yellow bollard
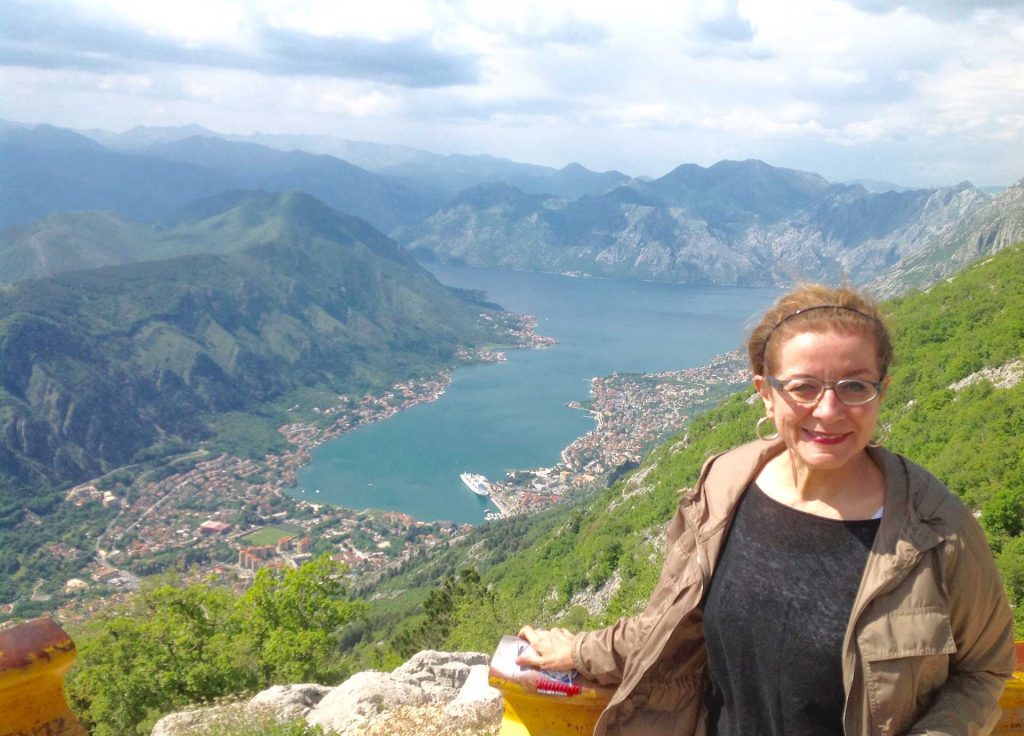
543	704
1012	702
33	659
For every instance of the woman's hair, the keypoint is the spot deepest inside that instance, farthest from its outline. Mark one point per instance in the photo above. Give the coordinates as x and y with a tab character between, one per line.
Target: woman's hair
818	308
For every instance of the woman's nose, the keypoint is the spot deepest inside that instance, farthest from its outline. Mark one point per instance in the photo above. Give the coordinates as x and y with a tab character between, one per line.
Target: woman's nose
828	403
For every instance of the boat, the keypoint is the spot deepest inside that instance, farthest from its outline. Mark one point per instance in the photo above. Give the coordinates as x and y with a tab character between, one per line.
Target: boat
476	483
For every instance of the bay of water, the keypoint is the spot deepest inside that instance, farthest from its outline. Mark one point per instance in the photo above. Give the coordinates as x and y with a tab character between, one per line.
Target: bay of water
500	417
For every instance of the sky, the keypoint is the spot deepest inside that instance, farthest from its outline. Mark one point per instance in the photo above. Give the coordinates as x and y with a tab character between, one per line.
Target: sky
918	93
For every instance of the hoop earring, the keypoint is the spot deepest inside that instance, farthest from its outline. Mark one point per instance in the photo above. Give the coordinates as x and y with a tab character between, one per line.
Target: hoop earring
759	430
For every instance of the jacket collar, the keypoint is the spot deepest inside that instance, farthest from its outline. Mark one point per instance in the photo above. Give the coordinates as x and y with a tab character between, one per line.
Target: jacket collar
902	535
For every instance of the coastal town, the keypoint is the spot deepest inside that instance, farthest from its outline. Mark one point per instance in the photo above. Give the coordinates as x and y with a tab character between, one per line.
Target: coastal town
632	411
223	515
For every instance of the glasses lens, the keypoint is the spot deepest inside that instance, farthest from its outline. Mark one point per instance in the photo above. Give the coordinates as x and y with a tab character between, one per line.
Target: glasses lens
804	390
853	392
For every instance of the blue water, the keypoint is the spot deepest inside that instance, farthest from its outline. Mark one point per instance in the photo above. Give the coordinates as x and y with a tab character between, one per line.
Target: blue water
512	415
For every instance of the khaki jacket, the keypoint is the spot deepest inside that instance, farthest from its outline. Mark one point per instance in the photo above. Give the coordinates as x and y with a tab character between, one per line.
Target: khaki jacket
929	644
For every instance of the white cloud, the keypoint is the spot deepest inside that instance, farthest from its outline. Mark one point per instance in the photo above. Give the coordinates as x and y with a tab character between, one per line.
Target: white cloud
640	86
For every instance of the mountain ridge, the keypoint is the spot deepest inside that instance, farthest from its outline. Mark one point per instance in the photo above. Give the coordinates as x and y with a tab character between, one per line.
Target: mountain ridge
736	222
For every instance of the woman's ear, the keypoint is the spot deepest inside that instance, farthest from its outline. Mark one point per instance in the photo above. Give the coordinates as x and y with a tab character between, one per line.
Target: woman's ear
765	390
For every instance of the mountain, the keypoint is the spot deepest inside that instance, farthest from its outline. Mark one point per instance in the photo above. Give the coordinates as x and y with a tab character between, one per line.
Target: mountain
382	200
69	241
45	170
41	173
431	171
267	297
457	172
983	231
737	222
877	186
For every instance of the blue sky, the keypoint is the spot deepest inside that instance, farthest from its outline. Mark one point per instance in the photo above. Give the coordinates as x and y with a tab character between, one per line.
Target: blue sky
916	93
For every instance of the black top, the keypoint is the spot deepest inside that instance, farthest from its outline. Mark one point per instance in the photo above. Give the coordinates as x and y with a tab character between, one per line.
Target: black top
775	616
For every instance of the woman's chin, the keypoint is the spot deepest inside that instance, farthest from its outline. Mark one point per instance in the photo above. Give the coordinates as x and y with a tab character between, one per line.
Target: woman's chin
827	455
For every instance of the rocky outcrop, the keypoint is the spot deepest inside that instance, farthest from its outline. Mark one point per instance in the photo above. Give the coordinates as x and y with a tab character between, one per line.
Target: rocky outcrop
433	693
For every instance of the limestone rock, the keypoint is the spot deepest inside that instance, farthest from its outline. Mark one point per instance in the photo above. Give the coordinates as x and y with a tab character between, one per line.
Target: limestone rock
477	703
291	701
362	696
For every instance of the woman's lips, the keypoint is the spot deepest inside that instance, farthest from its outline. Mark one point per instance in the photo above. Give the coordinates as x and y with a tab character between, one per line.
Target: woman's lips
826	438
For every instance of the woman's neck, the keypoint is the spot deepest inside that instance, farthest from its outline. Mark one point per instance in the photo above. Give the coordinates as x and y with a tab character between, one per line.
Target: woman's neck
854	491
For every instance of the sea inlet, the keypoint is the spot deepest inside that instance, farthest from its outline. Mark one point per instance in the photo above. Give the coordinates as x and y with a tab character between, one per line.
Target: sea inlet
495	418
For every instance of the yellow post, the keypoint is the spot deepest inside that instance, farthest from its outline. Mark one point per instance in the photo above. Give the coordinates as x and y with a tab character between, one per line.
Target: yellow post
538	714
1012	702
33	659
544	703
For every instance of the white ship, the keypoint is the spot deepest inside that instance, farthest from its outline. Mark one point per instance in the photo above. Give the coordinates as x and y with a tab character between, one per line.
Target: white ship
476	483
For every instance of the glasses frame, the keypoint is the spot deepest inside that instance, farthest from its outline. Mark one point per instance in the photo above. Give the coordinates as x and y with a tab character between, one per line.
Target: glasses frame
780	386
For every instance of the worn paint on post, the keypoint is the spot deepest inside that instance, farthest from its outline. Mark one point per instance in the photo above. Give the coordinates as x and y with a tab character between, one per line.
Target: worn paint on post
34	656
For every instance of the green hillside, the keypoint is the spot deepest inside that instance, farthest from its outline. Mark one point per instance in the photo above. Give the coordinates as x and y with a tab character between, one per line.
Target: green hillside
589	564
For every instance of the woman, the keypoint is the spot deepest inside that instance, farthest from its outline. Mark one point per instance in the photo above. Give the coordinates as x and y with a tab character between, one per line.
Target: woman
815	583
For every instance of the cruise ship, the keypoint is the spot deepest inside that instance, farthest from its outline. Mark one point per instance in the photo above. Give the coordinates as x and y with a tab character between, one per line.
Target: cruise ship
476	483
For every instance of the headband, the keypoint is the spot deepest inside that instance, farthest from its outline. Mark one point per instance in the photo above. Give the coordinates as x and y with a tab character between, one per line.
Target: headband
819	306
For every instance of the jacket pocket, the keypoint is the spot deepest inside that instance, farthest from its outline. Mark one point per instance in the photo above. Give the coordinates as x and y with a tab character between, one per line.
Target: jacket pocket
906	660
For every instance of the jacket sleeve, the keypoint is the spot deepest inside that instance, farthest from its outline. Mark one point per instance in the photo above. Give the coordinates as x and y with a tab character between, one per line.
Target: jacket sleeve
601	655
982	625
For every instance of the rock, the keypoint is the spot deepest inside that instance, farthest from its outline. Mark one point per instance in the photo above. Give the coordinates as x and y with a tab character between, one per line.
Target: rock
477	704
363	696
431	661
453	674
291	701
433	693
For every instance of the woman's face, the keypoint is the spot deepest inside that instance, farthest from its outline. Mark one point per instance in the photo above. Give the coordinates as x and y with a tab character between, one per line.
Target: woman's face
827	434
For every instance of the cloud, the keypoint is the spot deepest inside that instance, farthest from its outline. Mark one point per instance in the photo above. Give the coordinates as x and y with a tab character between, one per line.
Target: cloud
729	27
405	62
937	9
42	36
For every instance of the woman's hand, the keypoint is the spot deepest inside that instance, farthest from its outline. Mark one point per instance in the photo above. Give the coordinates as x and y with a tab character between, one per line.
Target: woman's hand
553	647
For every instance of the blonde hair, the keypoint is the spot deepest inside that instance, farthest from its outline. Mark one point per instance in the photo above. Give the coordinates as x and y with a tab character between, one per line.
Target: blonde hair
818	308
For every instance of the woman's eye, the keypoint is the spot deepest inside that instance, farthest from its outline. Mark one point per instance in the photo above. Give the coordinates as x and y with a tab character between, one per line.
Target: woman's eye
803	389
854	387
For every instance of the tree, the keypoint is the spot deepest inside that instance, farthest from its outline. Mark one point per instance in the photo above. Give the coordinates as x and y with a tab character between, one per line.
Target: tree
172	646
1003	513
292	620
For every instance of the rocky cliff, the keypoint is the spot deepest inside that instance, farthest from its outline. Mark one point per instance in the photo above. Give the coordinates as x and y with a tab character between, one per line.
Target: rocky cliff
737	222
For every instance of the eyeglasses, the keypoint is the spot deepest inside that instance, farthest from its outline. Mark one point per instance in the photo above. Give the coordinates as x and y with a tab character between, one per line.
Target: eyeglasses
849	391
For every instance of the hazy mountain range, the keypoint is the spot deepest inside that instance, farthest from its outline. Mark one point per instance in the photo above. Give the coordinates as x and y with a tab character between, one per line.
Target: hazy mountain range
736	222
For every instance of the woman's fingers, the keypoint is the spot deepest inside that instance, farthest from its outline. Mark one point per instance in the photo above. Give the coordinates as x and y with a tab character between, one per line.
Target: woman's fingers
553	648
